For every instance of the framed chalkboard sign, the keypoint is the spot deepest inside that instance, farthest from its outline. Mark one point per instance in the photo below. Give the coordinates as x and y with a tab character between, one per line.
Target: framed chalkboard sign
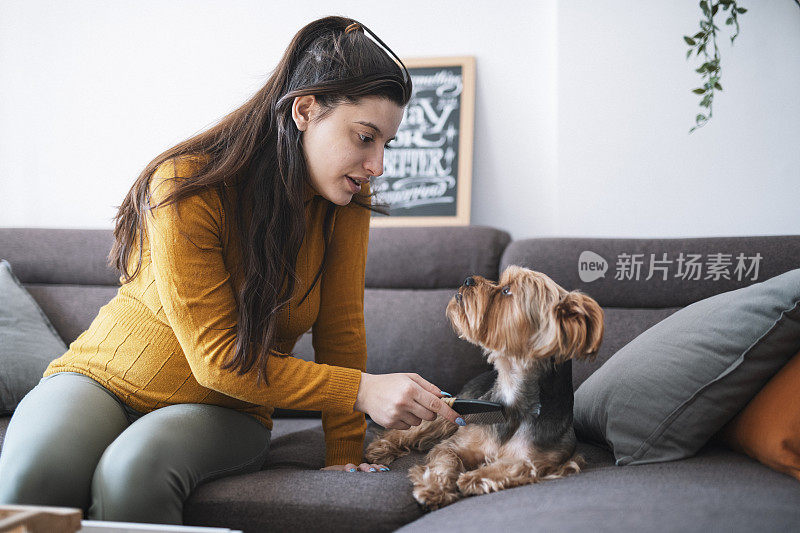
427	169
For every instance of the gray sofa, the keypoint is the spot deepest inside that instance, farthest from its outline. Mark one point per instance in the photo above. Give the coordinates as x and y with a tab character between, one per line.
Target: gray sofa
411	274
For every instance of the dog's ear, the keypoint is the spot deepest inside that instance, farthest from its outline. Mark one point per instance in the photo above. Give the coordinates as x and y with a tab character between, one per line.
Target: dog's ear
580	326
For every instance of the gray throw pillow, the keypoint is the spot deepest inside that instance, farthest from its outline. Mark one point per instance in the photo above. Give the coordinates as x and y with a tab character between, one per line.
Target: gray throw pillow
664	395
28	341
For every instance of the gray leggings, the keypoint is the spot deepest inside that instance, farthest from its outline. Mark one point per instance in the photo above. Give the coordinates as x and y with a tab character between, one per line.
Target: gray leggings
73	443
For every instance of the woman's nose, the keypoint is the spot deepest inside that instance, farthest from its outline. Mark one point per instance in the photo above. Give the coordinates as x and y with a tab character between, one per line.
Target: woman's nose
374	165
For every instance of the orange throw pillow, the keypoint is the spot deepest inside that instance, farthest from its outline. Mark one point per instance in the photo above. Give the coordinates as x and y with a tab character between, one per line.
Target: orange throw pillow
768	429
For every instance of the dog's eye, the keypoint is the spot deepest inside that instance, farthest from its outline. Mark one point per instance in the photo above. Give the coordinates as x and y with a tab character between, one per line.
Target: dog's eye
506	290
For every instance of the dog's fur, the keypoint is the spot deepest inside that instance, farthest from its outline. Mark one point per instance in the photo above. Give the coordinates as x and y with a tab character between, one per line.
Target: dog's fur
530	328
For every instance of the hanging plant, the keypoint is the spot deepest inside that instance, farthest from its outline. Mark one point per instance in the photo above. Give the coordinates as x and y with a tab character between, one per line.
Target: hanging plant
705	42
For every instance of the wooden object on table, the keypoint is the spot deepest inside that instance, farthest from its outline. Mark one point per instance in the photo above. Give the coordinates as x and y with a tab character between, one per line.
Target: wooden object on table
38	519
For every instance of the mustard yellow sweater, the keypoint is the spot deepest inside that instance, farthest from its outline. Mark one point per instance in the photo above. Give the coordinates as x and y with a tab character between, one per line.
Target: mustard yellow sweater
164	336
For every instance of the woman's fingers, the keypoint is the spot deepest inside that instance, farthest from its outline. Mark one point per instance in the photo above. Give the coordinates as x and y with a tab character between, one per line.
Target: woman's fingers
410	418
371	467
430	399
363	467
422	410
403	400
435	404
399	425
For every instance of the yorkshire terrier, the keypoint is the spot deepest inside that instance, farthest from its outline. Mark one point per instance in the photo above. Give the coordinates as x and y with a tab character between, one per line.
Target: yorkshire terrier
530	329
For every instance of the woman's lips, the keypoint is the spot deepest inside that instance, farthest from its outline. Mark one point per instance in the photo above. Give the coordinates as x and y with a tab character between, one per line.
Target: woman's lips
355	187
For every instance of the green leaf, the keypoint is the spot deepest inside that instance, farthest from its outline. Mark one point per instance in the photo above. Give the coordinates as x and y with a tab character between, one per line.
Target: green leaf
698	91
729	21
698	118
741	10
718	86
688	53
689	40
714	9
698	34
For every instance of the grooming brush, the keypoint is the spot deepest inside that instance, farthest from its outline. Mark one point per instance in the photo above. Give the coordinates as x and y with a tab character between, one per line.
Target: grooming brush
482	412
477	411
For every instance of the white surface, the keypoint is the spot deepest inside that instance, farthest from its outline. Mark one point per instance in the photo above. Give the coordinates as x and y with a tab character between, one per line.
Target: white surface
582	108
101	526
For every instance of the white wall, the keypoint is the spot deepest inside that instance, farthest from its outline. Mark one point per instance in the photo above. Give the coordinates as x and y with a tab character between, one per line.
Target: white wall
626	164
582	107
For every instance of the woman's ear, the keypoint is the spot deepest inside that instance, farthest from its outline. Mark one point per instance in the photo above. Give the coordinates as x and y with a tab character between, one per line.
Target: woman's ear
303	109
580	326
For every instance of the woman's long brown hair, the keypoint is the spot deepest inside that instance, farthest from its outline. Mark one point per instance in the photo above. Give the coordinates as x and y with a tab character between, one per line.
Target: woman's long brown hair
257	148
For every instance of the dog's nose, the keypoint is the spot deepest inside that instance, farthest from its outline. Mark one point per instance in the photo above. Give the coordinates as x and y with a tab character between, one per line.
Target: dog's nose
469	282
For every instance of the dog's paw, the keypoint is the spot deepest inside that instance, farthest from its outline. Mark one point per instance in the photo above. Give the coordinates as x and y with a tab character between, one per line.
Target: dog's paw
431	491
472	483
495	477
573	466
384	451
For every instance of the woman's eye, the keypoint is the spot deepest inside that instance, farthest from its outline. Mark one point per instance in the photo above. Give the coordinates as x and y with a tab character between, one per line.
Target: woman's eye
506	290
365	138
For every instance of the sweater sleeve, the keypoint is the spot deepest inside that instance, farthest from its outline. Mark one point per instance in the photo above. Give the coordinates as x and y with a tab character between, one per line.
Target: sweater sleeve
197	294
339	335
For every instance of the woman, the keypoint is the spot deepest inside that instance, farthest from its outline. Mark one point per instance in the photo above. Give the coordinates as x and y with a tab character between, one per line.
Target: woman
231	245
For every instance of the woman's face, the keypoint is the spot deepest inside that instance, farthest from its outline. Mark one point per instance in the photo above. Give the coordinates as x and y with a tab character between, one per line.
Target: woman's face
344	149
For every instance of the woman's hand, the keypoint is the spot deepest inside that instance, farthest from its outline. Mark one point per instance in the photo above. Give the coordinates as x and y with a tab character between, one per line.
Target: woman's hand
399	401
363	467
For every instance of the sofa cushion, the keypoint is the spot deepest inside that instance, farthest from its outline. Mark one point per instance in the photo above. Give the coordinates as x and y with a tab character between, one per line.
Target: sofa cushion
291	494
432	258
768	428
418	338
71	308
621	327
317	501
663	395
718	490
61	256
28	341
